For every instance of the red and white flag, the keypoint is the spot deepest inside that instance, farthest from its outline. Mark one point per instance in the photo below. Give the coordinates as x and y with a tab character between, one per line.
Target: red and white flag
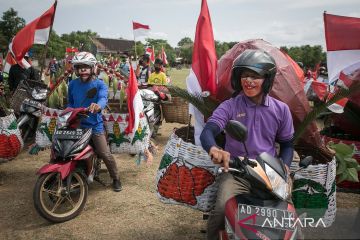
163	56
35	32
343	46
140	29
150	51
9	61
202	75
135	104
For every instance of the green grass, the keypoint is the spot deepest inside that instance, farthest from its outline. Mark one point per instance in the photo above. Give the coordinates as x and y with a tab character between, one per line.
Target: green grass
178	77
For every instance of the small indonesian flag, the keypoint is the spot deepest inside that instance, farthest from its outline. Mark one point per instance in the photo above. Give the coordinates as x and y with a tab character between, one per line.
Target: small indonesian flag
9	61
150	51
343	46
135	104
163	56
140	29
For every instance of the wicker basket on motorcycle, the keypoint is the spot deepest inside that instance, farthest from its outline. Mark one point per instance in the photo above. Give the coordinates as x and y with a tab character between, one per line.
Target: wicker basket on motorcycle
11	142
186	174
46	127
347	184
176	111
314	191
120	142
20	93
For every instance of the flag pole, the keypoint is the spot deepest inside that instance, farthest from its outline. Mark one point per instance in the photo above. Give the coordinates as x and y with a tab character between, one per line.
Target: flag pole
134	42
47	43
135	49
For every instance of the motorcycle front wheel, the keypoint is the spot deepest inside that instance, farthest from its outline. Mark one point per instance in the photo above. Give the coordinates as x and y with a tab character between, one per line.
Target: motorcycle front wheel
57	202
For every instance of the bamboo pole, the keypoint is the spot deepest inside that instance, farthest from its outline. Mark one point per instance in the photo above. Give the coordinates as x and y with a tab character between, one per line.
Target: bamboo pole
47	43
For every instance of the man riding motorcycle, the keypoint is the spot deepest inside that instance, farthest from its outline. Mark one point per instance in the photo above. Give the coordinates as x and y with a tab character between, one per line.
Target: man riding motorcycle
85	64
268	121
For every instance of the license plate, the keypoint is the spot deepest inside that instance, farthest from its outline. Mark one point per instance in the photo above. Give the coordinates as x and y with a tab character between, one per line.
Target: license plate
32	103
266	217
68	134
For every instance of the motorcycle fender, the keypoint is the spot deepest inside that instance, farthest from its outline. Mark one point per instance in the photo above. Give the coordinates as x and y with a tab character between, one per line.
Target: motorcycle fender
85	153
63	168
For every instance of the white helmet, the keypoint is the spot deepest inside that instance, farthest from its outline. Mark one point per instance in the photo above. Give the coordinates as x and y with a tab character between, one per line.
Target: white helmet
84	58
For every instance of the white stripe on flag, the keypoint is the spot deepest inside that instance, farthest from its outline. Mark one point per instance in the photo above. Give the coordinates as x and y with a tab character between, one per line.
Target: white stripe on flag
41	35
138	108
344	60
141	32
193	87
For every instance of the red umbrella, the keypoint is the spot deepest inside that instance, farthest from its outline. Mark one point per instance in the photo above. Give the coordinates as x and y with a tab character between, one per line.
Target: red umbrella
287	85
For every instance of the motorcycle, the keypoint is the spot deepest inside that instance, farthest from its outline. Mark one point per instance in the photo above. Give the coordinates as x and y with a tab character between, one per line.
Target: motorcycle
255	215
30	109
152	99
61	190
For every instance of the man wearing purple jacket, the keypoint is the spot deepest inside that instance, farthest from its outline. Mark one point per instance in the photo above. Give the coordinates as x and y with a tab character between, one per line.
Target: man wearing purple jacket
268	121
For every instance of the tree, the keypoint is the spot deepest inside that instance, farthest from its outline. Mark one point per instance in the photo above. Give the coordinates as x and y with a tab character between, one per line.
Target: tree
158	44
308	55
10	24
80	40
56	47
185	49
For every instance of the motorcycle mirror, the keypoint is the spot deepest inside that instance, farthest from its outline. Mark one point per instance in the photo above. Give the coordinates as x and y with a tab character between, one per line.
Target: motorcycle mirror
91	93
305	162
236	130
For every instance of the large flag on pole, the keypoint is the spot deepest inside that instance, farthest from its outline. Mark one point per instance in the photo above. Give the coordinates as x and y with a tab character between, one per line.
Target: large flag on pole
202	75
36	31
343	46
135	104
140	29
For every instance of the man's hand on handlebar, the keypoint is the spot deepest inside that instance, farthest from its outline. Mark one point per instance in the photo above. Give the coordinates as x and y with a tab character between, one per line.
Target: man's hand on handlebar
94	108
220	156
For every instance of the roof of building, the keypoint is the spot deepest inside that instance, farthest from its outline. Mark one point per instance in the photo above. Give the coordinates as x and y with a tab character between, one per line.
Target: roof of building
109	45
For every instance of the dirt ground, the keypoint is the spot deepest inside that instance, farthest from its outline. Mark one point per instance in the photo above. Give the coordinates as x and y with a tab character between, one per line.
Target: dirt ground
134	213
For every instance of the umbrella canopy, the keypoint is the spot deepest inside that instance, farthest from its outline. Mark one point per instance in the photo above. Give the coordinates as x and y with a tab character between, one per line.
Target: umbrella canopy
287	86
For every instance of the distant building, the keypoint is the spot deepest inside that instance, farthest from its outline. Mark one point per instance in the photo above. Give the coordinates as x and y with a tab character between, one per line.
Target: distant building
113	46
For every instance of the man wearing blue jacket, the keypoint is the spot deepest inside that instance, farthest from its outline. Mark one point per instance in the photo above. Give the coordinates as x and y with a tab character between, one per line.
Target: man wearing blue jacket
84	64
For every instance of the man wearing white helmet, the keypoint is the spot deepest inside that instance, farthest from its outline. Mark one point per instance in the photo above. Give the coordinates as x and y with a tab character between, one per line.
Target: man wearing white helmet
85	64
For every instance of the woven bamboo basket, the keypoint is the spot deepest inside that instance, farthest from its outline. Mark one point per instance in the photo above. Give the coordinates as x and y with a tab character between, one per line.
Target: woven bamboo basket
119	141
314	191
11	142
176	111
186	174
20	93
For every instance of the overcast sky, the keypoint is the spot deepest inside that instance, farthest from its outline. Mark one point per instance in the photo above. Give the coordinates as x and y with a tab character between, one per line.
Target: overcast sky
280	22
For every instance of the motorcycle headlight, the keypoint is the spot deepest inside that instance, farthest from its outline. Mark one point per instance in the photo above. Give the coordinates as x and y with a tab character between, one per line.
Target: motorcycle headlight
62	120
39	94
279	185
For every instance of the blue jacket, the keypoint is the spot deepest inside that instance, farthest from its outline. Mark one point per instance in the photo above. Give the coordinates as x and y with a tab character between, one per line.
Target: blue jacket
77	94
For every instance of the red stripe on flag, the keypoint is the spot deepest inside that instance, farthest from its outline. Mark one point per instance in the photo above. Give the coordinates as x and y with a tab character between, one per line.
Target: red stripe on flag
130	92
139	25
341	33
24	39
204	59
320	89
345	79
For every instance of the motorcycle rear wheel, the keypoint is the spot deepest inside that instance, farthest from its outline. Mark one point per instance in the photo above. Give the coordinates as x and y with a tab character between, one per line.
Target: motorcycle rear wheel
53	202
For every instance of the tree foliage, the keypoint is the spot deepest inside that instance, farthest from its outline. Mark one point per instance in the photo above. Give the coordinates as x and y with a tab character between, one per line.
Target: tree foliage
185	48
308	55
10	24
